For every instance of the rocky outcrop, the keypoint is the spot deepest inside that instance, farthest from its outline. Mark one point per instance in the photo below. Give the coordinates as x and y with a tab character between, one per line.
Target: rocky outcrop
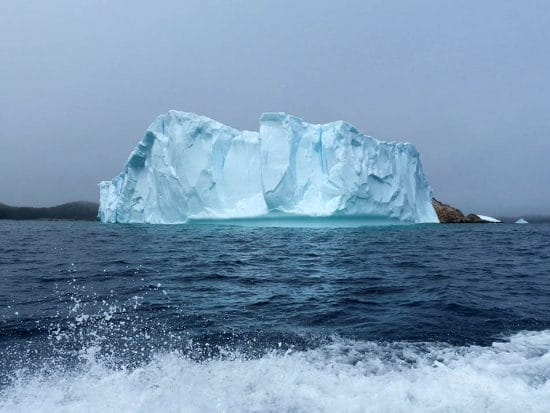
448	214
475	219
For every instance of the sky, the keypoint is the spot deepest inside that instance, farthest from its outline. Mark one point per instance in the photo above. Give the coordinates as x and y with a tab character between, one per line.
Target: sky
467	82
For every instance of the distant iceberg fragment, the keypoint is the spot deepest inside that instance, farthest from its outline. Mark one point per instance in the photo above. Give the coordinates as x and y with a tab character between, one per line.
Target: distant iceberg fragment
190	167
521	221
489	219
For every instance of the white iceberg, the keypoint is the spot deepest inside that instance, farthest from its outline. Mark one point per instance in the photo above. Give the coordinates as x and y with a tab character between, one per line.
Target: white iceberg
521	221
490	219
190	167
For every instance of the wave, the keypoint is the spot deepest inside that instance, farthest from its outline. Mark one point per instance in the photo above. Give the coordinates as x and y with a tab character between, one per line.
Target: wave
341	376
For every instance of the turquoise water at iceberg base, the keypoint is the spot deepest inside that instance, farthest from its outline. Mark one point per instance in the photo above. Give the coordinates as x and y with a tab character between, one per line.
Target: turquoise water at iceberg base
201	318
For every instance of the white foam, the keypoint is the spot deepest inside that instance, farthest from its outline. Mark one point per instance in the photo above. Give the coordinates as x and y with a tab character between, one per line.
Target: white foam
346	376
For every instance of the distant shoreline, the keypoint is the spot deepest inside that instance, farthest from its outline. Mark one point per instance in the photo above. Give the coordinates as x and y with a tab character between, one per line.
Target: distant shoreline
72	211
87	211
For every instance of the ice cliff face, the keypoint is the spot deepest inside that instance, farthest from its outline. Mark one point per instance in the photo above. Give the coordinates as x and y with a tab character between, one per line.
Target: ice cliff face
192	167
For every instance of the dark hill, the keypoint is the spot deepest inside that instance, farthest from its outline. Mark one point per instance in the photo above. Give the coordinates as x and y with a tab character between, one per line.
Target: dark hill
76	211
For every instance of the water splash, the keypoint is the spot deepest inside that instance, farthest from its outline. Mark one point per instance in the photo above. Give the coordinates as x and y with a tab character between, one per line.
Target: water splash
344	375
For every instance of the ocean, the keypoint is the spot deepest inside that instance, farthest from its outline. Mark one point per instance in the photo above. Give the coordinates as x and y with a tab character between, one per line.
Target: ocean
232	318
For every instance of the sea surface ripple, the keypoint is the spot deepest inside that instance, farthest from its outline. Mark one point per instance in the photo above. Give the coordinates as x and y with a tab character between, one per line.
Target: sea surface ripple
242	318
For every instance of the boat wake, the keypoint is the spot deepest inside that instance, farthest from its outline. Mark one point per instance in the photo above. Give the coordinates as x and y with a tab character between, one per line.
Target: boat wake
343	375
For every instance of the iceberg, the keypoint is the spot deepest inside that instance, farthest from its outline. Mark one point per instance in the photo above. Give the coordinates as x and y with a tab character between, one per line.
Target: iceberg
189	167
521	221
489	219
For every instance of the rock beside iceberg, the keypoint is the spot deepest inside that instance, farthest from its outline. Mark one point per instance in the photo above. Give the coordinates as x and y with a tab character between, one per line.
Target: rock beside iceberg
191	167
448	214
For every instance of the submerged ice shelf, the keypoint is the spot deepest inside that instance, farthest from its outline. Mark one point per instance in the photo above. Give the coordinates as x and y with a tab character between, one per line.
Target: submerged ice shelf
190	167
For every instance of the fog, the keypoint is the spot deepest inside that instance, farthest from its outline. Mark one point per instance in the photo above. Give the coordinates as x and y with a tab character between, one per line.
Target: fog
467	82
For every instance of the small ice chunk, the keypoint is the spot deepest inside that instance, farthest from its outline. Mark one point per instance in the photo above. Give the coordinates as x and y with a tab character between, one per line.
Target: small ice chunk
489	219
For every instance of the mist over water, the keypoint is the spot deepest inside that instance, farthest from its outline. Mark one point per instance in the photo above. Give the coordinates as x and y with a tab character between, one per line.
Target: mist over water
244	318
467	83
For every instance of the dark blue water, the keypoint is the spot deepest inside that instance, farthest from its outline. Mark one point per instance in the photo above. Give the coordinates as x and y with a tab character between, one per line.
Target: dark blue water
349	307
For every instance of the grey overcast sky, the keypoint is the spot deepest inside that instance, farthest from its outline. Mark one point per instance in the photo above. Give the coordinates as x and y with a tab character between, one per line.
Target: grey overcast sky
468	82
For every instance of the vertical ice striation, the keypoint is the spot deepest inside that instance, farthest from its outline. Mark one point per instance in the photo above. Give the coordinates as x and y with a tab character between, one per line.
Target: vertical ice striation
186	166
191	167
